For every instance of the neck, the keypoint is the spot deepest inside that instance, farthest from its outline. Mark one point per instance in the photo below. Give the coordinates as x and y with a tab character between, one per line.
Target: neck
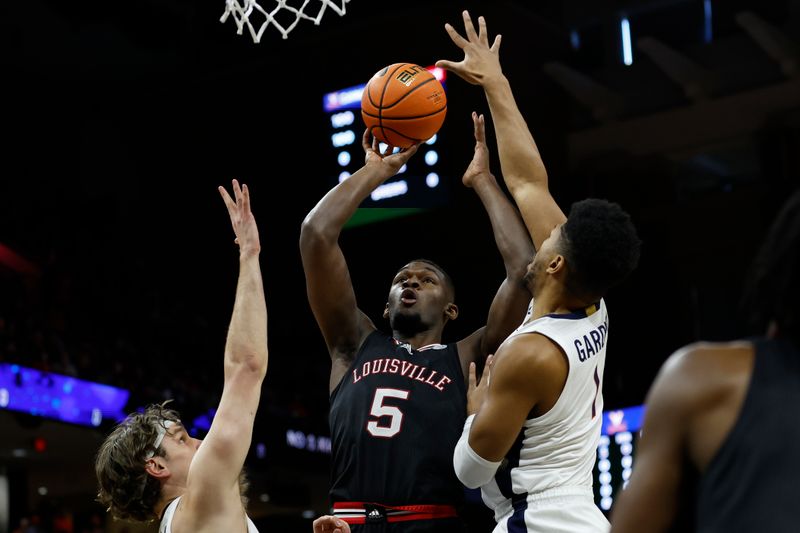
168	494
418	340
553	299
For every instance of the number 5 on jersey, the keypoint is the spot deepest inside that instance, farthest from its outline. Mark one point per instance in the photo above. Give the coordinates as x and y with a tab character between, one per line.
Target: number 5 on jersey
380	410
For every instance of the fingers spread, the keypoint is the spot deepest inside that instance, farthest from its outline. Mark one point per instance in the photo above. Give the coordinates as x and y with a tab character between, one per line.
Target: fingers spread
469	28
483	35
227	199
237	191
496	45
445	64
246	198
455	36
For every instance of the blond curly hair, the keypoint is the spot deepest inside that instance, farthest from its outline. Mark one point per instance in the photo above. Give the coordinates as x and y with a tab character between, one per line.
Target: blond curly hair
126	489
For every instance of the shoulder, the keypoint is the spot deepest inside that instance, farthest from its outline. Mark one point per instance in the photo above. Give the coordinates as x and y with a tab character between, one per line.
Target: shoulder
375	336
701	371
469	348
533	347
529	356
694	361
369	337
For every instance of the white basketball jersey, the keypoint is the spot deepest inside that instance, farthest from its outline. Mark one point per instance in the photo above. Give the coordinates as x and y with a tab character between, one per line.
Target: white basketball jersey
559	448
166	520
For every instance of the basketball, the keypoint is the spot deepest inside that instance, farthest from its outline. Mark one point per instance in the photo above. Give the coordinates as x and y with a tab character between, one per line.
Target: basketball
403	104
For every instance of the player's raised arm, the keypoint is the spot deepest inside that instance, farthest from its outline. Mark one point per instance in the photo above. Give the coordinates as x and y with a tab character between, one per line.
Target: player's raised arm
328	284
149	467
522	166
212	482
210	497
515	246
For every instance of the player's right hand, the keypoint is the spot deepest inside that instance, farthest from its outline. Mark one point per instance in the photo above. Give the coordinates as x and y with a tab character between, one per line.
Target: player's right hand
388	161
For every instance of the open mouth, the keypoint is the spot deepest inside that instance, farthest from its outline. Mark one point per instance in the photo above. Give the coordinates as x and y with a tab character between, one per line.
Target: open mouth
408	297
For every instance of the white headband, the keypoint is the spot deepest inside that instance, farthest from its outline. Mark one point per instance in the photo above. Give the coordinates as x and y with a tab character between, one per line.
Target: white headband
161	429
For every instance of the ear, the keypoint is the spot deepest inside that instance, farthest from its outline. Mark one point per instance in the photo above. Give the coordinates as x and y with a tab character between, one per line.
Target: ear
386	311
451	311
557	264
157	467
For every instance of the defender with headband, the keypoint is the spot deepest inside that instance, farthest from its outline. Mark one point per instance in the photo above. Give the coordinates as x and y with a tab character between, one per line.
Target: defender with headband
149	468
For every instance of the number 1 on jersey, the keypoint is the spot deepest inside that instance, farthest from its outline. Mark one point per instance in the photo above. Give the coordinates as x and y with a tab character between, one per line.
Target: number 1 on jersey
379	410
596	392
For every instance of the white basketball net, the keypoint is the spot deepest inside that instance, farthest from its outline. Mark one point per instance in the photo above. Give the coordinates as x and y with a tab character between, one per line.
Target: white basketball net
242	13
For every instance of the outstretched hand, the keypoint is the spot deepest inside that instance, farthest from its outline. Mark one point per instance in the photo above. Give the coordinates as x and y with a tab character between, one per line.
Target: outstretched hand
387	161
476	390
479	166
481	62
242	219
327	523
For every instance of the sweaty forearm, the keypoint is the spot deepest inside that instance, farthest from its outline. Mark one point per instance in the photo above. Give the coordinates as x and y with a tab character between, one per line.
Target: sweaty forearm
520	161
246	343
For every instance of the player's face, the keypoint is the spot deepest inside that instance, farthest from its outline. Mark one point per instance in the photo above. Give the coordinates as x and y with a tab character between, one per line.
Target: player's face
536	275
417	298
181	449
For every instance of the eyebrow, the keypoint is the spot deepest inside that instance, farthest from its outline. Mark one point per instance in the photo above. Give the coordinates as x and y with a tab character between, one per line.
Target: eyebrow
175	429
426	269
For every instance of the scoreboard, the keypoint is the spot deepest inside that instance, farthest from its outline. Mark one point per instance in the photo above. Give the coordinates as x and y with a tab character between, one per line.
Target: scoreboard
615	453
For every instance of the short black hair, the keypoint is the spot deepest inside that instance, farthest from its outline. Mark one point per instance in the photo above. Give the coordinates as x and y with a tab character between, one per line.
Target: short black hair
447	279
772	290
601	246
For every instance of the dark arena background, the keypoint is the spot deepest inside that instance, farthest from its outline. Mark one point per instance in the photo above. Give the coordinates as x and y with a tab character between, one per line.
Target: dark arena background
117	261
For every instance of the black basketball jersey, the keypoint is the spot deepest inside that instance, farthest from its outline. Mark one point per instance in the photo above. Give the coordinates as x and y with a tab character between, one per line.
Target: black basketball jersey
751	484
395	419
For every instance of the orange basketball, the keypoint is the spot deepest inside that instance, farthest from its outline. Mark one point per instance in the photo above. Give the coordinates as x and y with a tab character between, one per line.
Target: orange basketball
403	104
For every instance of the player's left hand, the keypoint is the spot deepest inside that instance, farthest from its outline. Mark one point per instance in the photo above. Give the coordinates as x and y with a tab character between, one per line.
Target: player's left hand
476	390
327	523
481	62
